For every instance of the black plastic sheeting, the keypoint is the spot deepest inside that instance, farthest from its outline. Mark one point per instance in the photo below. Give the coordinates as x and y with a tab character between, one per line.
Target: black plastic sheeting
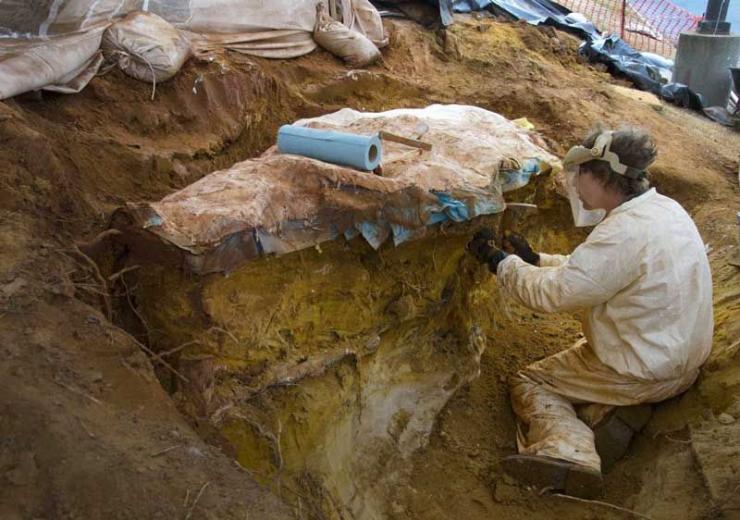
647	71
446	7
533	11
536	12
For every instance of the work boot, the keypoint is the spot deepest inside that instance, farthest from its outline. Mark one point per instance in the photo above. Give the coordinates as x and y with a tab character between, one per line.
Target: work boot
614	433
550	474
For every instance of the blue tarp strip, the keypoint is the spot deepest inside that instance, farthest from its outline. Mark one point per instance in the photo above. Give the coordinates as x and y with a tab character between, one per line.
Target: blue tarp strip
447	209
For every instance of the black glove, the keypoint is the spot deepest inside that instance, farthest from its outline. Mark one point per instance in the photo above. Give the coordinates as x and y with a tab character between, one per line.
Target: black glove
484	249
521	248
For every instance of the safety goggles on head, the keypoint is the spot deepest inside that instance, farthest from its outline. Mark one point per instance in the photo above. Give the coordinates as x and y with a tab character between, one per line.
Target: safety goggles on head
599	152
571	164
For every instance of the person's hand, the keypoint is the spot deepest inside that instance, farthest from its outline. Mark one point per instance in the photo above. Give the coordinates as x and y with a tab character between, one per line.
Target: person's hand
483	248
481	244
517	244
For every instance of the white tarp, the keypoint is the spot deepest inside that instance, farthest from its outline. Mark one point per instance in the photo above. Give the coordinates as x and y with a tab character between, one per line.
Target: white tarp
47	17
63	63
277	203
35	36
262	25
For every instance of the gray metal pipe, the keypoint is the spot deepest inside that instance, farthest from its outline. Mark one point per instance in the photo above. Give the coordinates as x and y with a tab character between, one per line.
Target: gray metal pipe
714	18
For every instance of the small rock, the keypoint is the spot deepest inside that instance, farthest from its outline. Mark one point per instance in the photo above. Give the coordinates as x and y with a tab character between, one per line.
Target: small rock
372	343
505	492
180	170
725	418
13	288
195	452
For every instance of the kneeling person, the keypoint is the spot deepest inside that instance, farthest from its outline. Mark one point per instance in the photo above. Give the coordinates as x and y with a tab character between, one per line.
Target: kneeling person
643	276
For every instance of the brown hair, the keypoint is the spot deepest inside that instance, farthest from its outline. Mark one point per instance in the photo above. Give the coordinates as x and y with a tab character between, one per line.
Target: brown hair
635	148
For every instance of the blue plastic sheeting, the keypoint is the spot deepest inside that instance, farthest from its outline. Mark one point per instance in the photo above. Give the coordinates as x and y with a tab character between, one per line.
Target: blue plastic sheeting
362	152
513	179
351	234
449	208
153	221
375	233
402	234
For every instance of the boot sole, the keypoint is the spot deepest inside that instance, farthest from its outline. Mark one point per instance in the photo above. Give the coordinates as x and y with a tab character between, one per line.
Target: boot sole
545	473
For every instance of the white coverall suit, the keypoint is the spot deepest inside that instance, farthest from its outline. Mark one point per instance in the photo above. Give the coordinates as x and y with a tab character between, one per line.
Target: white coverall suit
643	277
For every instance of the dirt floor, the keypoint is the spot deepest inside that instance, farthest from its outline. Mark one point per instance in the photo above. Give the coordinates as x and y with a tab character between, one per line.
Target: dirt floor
86	429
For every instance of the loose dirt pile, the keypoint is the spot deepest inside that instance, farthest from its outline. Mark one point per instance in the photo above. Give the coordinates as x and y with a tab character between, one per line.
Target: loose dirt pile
88	431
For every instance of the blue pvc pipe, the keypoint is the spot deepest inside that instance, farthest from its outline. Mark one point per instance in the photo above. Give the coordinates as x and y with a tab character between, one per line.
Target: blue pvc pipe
362	152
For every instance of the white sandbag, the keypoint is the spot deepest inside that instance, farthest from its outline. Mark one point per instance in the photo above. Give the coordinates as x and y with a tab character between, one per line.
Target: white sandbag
270	29
366	20
146	47
354	48
62	63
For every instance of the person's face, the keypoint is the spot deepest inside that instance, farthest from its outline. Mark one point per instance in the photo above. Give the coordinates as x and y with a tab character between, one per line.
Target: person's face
591	191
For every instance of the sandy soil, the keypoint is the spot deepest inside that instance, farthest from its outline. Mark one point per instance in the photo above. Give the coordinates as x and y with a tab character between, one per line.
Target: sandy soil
88	432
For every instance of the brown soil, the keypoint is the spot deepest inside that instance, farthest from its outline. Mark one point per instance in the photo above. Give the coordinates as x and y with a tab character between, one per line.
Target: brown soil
87	430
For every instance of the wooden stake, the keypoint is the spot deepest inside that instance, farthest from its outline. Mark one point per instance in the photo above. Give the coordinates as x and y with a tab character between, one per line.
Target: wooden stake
414	143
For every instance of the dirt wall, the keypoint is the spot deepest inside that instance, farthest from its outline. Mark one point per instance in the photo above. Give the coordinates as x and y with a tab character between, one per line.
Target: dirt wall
323	369
68	161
